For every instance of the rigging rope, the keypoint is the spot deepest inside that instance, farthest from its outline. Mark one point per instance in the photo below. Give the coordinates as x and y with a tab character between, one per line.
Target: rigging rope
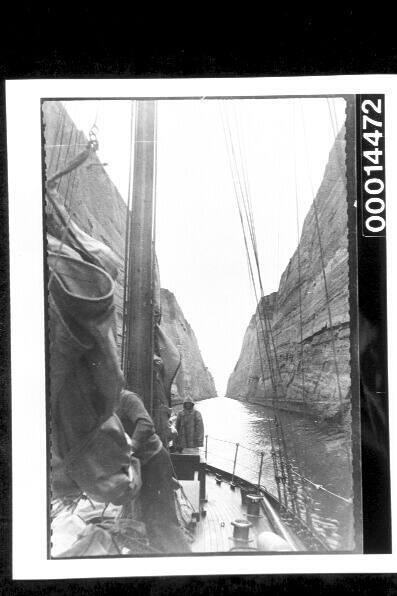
73	184
94	126
244	205
58	129
62	129
77	161
127	241
260	304
250	225
321	487
299	261
91	146
245	175
248	256
317	486
67	154
271	371
304	493
334	126
70	174
322	264
274	460
333	117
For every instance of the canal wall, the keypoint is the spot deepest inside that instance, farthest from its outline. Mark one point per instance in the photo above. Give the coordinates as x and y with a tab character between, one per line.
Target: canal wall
308	366
293	406
193	378
97	207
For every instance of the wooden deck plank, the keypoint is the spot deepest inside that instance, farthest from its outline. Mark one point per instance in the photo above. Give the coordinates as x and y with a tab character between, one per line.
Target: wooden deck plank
222	518
214	531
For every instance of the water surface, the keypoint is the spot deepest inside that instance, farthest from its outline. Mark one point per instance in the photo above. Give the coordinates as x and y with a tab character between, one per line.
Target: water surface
320	452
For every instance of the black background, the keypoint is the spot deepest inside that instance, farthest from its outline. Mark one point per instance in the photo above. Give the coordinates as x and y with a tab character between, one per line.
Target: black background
373	369
63	42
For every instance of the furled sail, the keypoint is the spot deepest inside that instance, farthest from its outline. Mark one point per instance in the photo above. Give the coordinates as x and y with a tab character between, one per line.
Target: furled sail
90	450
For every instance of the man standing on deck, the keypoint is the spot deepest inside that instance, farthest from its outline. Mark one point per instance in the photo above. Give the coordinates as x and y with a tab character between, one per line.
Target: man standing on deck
190	427
157	492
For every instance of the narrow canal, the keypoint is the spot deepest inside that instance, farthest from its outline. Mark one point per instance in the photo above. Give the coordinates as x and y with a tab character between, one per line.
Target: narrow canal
319	452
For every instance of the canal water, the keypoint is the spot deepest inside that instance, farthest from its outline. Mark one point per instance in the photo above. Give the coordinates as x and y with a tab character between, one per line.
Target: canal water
317	451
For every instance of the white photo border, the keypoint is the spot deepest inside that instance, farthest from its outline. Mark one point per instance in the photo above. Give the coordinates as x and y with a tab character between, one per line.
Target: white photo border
28	375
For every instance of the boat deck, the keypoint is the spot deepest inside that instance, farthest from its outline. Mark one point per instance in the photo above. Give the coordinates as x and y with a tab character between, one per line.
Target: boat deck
214	532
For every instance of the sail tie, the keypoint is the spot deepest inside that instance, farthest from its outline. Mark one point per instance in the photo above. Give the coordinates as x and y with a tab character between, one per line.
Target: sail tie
77	161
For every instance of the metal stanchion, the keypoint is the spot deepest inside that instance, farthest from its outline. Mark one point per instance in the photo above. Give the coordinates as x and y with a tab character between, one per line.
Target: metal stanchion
260	472
232	485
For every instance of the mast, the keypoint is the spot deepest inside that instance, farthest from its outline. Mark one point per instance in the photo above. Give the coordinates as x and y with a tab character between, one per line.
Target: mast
138	353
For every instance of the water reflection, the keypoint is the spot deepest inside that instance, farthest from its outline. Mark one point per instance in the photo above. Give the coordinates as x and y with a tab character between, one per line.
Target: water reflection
316	451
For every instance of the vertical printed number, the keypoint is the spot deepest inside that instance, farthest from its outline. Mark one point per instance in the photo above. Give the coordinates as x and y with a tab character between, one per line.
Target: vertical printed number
371	106
372	160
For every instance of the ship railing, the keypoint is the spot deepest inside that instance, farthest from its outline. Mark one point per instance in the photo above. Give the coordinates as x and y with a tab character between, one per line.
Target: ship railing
239	461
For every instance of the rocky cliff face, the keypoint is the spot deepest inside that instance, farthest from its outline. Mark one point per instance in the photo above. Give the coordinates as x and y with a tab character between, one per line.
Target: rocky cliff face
193	378
97	207
307	372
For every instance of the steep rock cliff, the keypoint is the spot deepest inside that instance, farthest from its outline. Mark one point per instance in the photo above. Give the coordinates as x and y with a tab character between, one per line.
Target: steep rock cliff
193	378
97	207
310	380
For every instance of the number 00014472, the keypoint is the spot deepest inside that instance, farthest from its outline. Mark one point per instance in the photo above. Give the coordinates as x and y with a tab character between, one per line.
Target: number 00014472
374	204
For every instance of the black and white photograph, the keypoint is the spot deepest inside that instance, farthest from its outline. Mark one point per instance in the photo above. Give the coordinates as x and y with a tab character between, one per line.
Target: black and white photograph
201	331
199	327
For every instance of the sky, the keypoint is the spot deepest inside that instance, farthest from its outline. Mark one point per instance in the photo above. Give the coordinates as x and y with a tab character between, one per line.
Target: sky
284	144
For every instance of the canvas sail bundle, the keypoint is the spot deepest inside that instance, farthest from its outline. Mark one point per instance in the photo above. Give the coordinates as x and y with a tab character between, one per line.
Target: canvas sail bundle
90	451
86	381
62	227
